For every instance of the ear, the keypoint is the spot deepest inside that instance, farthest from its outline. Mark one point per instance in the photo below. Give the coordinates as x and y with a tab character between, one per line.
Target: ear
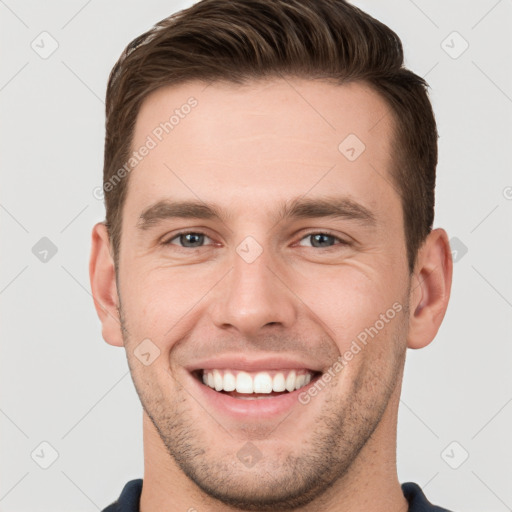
103	286
430	289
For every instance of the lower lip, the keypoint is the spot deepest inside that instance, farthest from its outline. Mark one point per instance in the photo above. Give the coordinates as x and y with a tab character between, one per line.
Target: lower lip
239	408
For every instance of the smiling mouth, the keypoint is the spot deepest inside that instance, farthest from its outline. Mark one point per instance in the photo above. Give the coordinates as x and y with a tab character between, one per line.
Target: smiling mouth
255	385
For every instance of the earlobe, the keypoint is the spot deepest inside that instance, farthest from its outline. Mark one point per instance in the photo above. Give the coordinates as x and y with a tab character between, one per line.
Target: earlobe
430	290
103	285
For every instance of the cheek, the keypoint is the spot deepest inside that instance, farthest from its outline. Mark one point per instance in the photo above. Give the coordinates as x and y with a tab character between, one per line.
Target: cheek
158	303
165	304
350	304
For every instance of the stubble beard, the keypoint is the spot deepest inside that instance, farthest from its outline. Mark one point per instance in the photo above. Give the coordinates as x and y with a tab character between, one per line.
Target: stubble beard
284	482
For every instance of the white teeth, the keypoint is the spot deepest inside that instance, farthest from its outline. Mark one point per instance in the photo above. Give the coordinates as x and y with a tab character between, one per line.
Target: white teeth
244	383
299	381
290	381
257	382
279	384
229	382
217	379
262	383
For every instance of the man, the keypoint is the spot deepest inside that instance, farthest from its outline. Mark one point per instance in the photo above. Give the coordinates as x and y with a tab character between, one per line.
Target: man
268	255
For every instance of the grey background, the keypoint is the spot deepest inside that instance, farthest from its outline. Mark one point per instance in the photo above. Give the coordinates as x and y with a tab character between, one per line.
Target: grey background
63	385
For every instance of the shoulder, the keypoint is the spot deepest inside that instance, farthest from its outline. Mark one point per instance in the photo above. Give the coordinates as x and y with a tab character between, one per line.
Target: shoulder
129	499
417	500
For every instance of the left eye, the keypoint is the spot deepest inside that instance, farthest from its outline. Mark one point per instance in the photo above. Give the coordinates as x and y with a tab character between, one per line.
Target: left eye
321	240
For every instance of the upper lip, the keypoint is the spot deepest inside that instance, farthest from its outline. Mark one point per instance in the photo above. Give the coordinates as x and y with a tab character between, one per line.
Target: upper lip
251	364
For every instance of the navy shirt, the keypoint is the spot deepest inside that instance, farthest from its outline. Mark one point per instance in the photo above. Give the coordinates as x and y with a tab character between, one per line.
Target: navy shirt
130	496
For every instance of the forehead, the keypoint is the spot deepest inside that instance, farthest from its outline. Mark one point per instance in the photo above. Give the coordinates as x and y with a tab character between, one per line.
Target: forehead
266	139
326	110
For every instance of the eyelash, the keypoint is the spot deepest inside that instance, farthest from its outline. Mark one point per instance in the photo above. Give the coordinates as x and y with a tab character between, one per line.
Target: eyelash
177	235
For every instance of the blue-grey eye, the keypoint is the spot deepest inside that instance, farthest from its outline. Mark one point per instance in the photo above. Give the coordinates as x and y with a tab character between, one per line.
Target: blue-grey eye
189	240
321	240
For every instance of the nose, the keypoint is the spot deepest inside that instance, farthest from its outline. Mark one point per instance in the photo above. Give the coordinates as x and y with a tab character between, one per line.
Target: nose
253	296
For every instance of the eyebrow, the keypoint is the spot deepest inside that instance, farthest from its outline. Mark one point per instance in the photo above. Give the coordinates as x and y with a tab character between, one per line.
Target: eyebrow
299	208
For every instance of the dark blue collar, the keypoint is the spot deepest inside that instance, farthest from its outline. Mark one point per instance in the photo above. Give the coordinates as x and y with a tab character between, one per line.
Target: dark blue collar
130	497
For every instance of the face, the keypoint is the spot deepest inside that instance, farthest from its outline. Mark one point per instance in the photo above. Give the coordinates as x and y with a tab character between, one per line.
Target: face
258	242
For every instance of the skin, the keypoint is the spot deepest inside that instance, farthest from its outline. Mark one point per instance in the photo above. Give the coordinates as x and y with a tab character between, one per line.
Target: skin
249	149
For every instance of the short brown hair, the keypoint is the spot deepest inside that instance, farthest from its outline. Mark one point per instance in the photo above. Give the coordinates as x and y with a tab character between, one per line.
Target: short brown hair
241	40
